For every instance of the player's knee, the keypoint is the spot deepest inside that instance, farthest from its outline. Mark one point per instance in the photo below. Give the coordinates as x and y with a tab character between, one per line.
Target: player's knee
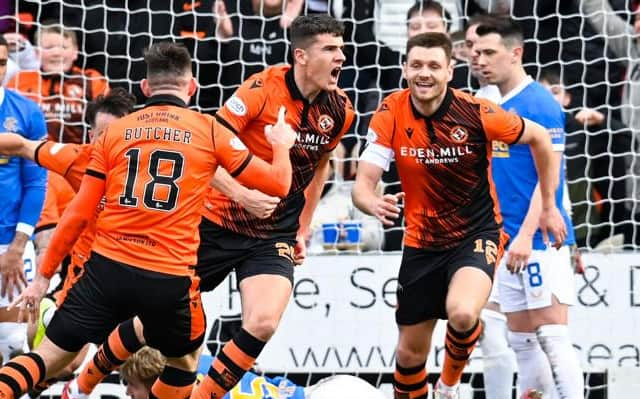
408	357
261	327
462	319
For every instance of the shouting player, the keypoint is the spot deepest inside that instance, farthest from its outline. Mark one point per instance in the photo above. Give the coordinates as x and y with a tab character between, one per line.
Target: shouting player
149	167
263	251
441	139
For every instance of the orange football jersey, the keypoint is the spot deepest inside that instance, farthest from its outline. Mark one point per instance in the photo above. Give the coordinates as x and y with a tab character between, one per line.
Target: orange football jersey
69	161
444	164
62	101
157	164
58	195
320	126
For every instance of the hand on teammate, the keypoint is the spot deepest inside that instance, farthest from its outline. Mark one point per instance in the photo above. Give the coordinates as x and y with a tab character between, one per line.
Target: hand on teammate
12	272
258	203
551	222
281	134
386	208
519	253
29	299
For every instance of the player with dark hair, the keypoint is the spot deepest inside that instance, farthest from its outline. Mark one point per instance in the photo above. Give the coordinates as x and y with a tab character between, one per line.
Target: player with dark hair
149	167
441	139
535	281
264	251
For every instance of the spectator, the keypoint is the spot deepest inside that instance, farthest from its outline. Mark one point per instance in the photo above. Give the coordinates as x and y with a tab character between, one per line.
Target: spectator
22	55
257	39
595	152
61	89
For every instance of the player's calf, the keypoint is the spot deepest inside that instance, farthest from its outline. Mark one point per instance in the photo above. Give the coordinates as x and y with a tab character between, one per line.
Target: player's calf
122	343
458	348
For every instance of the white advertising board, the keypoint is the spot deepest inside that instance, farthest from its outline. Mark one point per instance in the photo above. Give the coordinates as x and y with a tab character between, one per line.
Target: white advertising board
341	316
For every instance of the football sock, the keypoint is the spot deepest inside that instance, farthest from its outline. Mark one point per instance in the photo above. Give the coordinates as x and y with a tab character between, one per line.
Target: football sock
410	382
556	343
237	356
533	366
173	383
20	374
121	344
458	347
498	359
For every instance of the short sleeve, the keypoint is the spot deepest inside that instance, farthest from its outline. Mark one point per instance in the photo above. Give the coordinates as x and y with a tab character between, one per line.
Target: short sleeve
245	105
499	124
381	126
230	151
57	157
551	117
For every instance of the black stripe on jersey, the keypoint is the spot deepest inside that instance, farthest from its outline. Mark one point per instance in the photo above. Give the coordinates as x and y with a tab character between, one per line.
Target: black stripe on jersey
225	124
35	156
243	166
96	174
521	132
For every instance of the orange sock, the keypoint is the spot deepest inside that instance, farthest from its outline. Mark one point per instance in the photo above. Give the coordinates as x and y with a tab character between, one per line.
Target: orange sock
237	356
173	383
121	344
458	347
410	383
20	375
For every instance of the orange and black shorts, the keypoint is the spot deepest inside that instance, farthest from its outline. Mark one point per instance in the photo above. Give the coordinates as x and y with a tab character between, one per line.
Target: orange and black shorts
222	250
424	277
110	292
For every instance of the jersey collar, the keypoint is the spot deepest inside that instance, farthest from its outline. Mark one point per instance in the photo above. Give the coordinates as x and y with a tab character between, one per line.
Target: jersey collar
516	90
165	99
295	92
1	95
440	112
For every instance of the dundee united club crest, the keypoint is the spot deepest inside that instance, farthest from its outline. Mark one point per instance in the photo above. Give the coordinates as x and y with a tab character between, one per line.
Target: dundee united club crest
325	123
459	135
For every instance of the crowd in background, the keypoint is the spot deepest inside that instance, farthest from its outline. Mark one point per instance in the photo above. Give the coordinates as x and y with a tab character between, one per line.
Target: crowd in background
587	51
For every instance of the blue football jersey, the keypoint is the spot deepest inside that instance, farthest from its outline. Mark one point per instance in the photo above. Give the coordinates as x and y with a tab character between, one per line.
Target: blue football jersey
513	167
23	182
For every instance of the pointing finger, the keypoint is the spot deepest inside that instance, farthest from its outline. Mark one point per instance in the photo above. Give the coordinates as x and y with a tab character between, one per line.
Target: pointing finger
281	114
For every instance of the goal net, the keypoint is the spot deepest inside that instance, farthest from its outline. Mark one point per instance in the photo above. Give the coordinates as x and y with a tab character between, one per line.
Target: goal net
232	39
